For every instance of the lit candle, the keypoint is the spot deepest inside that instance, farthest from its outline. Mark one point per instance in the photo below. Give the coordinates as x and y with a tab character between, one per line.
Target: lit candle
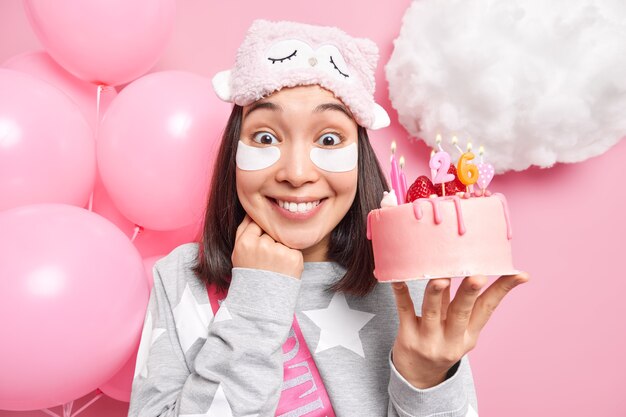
467	172
433	172
455	143
439	164
485	175
403	185
438	140
395	174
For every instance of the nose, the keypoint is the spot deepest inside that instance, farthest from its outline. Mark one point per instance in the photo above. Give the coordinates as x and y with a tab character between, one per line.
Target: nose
295	165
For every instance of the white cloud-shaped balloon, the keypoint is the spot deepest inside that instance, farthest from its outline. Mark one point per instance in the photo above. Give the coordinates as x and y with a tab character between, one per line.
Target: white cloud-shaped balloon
534	81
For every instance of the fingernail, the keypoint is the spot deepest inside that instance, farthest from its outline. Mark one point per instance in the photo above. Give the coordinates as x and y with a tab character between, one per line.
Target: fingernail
398	285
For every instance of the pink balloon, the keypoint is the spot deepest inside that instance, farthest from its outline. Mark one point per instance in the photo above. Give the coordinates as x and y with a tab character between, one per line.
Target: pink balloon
156	148
47	151
119	387
72	302
148	242
82	93
103	41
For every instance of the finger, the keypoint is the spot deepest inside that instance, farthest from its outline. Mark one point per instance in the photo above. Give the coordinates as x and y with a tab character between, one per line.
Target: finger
404	304
445	301
253	228
268	238
490	299
430	322
242	226
460	309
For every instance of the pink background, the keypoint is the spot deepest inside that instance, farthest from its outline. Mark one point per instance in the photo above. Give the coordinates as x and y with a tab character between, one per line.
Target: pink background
555	346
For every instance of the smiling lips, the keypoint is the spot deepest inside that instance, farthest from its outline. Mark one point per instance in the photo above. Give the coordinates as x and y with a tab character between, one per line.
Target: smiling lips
300	209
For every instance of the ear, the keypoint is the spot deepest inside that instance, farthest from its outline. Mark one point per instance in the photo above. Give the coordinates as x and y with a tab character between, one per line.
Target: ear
221	85
369	49
381	118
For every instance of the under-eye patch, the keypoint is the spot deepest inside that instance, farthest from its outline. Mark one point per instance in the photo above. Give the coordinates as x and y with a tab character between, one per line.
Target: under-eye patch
253	158
336	159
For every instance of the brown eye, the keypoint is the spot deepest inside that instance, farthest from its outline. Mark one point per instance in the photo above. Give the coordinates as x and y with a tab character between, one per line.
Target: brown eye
329	139
265	138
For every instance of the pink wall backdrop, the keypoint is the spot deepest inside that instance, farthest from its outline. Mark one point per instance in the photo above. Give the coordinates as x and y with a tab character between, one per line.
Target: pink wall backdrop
555	346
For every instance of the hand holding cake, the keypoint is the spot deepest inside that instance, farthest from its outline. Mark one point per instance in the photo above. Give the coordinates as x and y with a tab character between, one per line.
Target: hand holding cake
443	228
427	347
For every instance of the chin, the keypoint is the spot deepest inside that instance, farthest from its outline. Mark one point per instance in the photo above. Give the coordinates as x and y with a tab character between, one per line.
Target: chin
297	242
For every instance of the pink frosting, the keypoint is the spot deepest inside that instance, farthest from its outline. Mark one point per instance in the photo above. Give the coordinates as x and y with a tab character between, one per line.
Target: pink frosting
442	237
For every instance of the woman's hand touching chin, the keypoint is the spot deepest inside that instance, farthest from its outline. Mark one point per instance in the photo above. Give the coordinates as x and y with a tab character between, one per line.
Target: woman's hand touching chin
256	249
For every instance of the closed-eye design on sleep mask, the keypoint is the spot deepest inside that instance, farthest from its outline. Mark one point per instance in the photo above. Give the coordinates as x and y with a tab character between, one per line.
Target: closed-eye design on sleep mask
281	54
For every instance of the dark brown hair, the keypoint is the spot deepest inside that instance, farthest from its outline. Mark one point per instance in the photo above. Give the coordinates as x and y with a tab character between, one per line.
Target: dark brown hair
348	246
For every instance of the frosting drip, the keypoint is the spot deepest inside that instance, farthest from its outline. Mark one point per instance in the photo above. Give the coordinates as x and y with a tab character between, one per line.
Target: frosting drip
505	206
436	212
459	214
417	210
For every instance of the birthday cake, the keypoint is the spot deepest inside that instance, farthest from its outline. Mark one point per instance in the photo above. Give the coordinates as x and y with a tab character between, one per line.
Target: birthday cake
437	234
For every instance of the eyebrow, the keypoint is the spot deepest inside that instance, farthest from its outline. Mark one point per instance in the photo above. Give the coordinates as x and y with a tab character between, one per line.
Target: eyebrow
263	105
321	108
333	106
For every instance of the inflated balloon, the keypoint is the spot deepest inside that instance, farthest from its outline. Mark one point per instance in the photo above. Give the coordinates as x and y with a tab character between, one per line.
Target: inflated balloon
73	300
47	151
82	93
103	41
119	387
156	148
148	242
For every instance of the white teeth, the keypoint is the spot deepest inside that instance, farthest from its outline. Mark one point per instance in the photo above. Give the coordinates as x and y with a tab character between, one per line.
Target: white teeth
298	207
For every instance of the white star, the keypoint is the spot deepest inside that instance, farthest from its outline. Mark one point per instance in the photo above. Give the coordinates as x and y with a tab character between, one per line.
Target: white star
219	407
148	337
339	325
192	319
471	412
222	314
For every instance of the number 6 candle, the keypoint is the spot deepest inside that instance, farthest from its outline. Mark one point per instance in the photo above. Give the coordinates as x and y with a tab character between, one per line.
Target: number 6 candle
467	172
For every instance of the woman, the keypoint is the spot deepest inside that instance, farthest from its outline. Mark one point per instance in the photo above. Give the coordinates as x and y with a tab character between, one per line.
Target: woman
276	311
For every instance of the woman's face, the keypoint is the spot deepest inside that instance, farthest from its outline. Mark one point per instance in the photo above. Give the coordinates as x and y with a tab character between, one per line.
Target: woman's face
296	166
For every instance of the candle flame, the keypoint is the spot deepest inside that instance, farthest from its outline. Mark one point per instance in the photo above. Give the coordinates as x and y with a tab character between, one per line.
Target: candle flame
393	147
481	150
438	138
455	140
401	162
469	146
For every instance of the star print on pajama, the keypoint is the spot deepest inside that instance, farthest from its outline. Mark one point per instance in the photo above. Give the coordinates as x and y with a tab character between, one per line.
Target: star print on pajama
219	407
148	336
222	314
339	325
192	319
